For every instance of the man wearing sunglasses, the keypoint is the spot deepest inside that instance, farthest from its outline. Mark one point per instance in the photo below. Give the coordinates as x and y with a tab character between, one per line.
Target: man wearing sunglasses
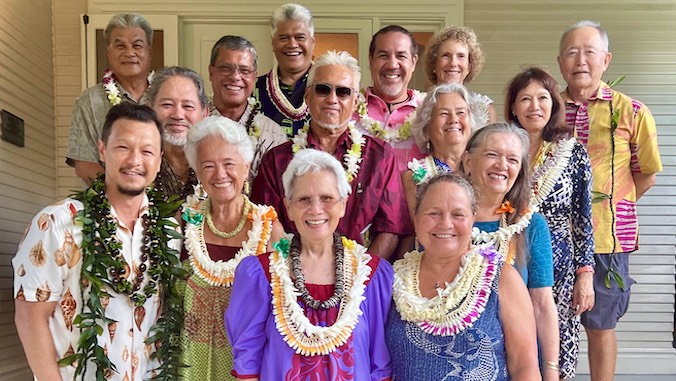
376	204
388	107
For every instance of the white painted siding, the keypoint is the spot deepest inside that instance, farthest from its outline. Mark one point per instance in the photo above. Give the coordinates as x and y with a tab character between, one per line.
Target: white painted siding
27	175
516	33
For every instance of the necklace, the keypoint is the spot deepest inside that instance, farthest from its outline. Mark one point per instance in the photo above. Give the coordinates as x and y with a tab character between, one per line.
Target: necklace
238	228
555	158
295	328
104	268
280	101
425	169
352	157
398	133
299	278
456	306
112	90
223	273
501	238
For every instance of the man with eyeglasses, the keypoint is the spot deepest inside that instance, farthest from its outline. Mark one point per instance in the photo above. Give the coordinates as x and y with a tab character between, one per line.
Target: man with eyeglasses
388	107
232	72
621	137
376	203
281	91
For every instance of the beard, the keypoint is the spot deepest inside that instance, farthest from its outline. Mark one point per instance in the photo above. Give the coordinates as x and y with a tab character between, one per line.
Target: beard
174	139
130	191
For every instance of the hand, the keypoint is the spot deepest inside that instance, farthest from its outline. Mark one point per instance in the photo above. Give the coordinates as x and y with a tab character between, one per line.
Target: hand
583	293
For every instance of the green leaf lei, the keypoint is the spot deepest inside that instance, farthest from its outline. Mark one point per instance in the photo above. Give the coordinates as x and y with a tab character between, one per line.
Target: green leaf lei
102	260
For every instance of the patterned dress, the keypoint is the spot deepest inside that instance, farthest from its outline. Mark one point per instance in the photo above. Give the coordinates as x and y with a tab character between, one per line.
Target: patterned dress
562	182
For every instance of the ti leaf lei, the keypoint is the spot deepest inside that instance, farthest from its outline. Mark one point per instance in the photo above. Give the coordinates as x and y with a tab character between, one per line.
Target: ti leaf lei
99	264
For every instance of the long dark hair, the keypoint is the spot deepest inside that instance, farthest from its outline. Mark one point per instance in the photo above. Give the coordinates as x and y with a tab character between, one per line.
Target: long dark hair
555	128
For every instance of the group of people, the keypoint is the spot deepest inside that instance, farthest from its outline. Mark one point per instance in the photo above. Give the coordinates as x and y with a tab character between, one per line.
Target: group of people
251	234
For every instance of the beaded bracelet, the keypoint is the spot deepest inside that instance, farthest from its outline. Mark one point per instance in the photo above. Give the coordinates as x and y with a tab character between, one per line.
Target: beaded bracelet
584	269
550	365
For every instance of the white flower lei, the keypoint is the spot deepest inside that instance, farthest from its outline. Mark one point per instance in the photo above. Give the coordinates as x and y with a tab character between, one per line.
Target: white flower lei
423	170
295	328
545	175
352	157
223	273
110	85
501	237
398	133
458	305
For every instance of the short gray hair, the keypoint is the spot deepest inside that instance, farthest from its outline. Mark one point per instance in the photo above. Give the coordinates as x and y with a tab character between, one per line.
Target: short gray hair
310	161
236	43
341	58
163	75
457	178
420	128
128	20
218	127
291	11
584	24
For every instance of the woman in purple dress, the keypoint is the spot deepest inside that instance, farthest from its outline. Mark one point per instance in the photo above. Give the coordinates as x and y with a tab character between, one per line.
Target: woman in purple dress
314	308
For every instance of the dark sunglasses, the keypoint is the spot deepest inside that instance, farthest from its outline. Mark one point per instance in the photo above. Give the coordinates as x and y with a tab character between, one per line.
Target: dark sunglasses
324	90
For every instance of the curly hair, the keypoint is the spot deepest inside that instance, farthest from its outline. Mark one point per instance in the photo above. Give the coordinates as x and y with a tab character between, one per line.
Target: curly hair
460	33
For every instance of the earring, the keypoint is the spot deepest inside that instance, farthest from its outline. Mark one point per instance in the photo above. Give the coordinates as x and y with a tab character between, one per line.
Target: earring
428	146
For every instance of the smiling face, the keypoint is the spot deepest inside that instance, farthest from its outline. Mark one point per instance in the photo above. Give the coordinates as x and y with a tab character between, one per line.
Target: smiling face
392	66
178	108
533	107
129	53
315	207
293	46
450	124
220	169
495	165
233	77
331	112
452	65
444	224
583	59
131	156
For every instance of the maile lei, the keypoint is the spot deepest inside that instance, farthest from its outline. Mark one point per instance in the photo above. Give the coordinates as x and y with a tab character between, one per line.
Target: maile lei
459	304
398	133
104	270
223	273
352	157
110	85
295	328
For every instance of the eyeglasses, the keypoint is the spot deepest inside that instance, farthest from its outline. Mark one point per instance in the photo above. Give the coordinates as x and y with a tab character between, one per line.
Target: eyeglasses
244	71
306	202
324	90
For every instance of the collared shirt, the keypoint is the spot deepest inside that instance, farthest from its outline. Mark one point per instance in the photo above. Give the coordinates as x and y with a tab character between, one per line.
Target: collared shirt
47	268
404	151
377	199
635	151
86	124
294	98
270	134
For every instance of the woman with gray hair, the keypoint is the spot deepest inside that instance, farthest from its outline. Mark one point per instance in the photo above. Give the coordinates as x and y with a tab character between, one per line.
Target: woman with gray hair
317	304
441	128
497	163
220	152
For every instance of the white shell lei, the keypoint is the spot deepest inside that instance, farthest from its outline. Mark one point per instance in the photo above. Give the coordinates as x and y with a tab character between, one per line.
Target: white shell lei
458	305
546	175
295	328
223	273
352	157
280	101
398	133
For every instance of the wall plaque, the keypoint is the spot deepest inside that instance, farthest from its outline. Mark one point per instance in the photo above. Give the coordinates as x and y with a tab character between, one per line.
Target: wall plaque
12	128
